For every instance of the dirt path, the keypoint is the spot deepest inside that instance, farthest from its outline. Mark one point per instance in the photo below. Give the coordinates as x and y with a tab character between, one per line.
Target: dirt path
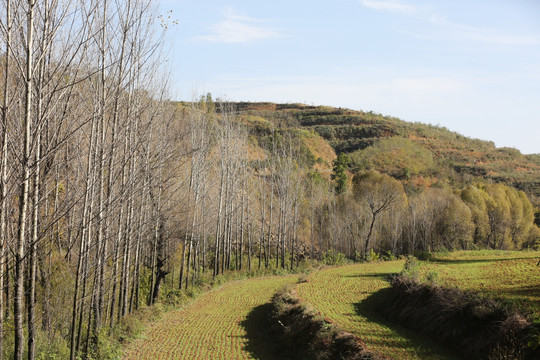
226	323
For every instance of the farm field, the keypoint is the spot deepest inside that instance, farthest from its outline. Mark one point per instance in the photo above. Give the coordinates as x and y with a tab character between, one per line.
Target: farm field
224	323
512	275
230	322
338	294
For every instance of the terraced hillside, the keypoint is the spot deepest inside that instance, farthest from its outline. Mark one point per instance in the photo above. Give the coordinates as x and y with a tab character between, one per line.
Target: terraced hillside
418	154
219	324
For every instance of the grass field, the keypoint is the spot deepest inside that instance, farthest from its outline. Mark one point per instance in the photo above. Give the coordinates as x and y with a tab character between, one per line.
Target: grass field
512	275
230	322
224	323
339	294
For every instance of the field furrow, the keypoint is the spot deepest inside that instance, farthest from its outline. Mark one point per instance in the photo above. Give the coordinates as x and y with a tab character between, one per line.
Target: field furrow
339	294
212	327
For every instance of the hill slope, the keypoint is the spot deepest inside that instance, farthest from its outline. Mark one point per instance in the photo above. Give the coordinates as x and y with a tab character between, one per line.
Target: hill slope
416	153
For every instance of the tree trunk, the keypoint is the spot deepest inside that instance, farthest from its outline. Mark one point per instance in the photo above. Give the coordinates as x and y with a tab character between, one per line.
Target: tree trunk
3	170
368	237
25	184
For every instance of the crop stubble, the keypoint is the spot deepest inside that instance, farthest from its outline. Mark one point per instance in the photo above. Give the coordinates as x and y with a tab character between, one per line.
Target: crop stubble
210	327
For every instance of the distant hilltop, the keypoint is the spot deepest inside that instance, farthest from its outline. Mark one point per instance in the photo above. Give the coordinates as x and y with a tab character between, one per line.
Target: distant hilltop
416	153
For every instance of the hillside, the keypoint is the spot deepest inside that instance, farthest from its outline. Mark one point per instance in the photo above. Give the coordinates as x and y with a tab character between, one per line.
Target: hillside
418	154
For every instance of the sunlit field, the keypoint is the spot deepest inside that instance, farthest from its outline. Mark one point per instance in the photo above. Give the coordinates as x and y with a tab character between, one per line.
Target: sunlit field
214	326
339	294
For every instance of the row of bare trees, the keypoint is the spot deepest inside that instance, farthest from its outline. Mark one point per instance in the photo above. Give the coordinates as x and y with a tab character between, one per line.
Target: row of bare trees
250	194
87	168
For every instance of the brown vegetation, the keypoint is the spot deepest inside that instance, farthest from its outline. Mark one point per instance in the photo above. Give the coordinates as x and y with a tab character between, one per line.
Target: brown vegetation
473	326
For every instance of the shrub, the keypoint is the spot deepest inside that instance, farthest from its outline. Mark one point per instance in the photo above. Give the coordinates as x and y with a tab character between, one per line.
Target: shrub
56	348
411	268
423	255
174	298
373	256
333	257
388	256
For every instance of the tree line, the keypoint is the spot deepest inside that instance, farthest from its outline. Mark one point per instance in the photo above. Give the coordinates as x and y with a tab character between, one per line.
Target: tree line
379	215
87	168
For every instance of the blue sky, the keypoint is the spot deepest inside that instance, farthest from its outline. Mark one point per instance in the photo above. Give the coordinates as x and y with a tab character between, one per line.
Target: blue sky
472	66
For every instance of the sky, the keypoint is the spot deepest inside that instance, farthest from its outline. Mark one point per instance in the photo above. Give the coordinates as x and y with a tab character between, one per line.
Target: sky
472	66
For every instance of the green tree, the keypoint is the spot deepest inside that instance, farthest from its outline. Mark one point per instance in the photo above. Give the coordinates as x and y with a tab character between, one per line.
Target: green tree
475	199
521	216
455	225
378	193
498	209
339	173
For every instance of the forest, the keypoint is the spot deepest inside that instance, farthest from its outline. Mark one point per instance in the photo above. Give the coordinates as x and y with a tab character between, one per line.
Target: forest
109	189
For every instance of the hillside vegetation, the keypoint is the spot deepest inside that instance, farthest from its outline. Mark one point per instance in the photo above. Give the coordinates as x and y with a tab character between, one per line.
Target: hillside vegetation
416	153
114	199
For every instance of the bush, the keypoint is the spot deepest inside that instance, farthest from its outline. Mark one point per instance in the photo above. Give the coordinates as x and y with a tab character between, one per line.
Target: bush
388	256
56	348
373	256
411	268
423	255
333	257
175	298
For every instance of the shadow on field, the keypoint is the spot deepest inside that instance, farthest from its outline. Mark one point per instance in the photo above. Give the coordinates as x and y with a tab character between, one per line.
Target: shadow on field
370	309
525	290
261	340
472	261
381	276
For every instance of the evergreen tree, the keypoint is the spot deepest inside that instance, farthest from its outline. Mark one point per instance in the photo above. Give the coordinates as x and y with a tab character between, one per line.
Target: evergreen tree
339	173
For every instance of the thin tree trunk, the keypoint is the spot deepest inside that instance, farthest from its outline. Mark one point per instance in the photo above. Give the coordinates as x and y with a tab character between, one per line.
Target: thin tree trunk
218	226
82	248
32	256
23	202
3	171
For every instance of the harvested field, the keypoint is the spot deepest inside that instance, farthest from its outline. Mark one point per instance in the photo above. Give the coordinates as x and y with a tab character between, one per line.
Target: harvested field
510	275
338	294
231	322
214	326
